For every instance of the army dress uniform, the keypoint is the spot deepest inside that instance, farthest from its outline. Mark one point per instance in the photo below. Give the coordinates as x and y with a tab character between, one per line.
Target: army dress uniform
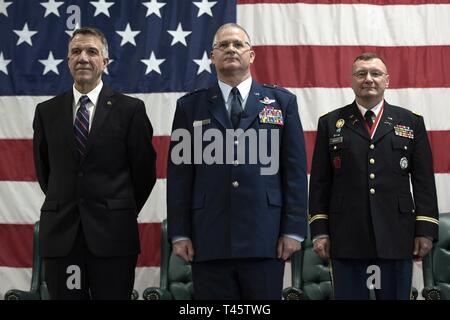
360	186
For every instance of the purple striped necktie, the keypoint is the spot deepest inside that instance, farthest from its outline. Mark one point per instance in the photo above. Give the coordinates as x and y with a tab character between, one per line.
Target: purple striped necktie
81	126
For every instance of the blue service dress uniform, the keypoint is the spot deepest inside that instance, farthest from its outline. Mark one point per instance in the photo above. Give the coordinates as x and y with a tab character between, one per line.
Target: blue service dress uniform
230	210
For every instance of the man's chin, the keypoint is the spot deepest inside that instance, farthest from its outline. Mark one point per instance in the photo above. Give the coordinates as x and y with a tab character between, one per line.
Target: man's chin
230	69
84	74
372	91
370	94
232	66
84	80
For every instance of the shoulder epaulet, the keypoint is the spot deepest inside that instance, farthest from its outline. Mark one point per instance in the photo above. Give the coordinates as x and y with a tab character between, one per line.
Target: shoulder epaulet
268	85
416	113
193	92
274	86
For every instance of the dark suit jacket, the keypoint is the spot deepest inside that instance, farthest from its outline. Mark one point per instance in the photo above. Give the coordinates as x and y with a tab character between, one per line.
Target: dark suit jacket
232	211
104	191
360	188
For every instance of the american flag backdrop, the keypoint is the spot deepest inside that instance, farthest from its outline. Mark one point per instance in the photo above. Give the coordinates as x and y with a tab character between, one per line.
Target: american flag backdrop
159	51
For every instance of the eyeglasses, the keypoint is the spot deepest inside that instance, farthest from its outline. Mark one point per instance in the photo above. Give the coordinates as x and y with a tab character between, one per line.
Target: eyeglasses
237	44
362	74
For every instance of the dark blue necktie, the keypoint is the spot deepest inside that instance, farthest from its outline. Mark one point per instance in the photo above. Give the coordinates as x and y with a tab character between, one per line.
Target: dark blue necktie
236	108
81	126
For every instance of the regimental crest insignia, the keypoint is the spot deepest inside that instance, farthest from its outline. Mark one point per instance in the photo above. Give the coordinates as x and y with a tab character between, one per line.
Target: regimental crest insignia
340	123
403	163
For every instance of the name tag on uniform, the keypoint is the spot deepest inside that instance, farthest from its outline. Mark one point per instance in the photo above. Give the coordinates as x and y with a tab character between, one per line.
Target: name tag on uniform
198	123
336	140
271	115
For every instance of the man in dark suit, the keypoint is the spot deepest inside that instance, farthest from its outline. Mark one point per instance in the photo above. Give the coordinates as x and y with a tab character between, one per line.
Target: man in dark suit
362	212
96	165
238	220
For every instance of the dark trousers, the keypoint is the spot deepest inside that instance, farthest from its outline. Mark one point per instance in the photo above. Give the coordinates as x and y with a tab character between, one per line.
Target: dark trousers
82	276
352	278
238	279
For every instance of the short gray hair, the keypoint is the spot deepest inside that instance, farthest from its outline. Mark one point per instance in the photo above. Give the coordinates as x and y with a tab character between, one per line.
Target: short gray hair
230	25
366	56
93	32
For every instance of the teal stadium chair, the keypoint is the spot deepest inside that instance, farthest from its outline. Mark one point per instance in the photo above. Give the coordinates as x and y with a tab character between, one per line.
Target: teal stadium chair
311	278
175	274
436	265
38	290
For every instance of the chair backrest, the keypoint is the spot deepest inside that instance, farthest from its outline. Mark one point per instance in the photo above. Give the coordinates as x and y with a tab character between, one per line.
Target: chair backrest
311	279
316	278
436	265
176	274
38	283
38	289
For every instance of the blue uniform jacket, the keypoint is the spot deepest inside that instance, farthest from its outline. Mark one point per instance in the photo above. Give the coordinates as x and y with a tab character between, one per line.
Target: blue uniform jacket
230	209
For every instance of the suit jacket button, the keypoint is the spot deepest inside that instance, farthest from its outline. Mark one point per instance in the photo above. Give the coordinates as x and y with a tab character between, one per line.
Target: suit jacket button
372	161
235	184
372	146
235	163
372	176
372	191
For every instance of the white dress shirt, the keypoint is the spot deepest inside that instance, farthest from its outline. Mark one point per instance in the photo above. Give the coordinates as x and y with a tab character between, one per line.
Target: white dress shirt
243	88
93	99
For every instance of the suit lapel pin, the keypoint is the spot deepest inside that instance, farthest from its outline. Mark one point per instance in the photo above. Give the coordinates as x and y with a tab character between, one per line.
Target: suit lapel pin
256	94
109	103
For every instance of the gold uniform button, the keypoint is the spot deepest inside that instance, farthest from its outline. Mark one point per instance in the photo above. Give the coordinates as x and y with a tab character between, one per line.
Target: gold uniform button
235	184
405	147
372	176
372	146
372	191
335	148
372	161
